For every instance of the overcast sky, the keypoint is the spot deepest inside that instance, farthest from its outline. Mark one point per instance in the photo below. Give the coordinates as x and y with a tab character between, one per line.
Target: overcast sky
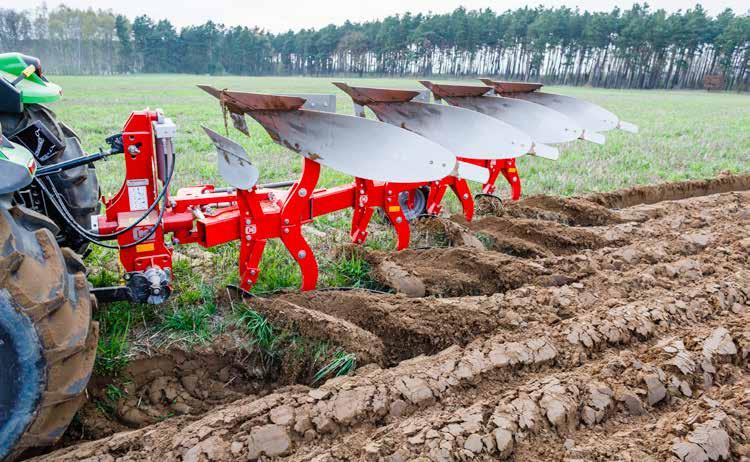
281	15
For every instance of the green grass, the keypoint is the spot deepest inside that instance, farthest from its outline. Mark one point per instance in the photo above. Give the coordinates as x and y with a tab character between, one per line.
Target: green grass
115	324
259	329
280	345
683	135
343	363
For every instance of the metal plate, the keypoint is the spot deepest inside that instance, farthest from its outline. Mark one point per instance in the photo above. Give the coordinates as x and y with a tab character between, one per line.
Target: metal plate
242	101
588	115
472	172
422	97
593	137
545	151
445	91
502	87
542	124
316	101
463	132
366	95
359	147
234	165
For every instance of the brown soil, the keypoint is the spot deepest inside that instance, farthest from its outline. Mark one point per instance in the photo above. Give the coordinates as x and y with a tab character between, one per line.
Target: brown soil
625	337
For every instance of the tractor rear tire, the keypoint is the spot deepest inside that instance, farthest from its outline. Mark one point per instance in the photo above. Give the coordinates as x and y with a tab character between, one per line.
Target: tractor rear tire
47	339
78	187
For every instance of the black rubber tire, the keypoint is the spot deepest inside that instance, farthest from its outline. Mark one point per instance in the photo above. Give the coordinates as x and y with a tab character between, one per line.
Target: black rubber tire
79	187
47	339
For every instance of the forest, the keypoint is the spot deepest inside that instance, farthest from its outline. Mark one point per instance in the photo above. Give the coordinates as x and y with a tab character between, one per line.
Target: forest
638	47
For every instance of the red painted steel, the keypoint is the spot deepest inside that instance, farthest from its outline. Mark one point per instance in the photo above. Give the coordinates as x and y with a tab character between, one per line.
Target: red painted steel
208	217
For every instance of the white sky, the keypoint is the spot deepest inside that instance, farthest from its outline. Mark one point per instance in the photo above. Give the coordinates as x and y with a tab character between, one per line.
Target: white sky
281	15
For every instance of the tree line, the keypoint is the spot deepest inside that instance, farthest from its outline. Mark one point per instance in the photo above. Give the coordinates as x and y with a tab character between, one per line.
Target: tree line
633	48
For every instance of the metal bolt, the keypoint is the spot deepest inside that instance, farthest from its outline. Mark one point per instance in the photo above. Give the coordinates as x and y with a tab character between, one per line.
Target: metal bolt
361	191
301	254
252	272
249	237
155	291
302	192
175	241
390	192
248	221
286	221
399	220
286	230
466	196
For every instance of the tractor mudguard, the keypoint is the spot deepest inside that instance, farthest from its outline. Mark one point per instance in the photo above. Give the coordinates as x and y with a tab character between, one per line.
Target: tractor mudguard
16	166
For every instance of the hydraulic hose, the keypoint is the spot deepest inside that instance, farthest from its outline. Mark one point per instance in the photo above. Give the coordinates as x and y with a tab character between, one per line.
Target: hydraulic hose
94	238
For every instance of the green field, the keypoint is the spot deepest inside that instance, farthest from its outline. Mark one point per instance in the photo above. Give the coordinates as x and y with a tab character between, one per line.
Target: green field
683	135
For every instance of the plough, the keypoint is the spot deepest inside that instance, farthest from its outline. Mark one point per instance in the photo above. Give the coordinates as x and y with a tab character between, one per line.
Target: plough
402	164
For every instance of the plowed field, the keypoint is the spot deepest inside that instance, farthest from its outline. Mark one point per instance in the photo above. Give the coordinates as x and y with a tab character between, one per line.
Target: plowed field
614	326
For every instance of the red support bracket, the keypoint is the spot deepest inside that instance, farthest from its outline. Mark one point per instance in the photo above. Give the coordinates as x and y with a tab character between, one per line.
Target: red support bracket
510	172
459	187
370	195
504	167
296	206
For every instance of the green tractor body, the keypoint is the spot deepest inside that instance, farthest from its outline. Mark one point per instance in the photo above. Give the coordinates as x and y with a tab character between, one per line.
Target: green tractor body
27	122
33	89
17	166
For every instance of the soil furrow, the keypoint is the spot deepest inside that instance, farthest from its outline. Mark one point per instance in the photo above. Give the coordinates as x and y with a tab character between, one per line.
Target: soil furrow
558	329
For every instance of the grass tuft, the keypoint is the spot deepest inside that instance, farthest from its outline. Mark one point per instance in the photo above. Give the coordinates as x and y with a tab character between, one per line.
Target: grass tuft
278	270
114	326
348	271
259	328
343	363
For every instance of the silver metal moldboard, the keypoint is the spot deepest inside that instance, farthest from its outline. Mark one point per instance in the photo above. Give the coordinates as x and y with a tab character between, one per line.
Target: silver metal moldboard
465	133
359	147
423	96
234	164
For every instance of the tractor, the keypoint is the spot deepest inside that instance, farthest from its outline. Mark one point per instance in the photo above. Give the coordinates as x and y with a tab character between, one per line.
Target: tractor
47	339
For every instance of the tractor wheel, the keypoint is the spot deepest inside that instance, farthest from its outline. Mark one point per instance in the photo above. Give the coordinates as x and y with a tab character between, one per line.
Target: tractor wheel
78	187
47	340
